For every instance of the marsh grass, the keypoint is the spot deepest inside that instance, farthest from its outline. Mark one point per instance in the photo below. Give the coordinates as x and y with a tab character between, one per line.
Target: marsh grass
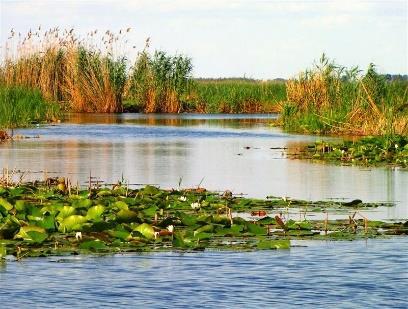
84	73
237	96
332	99
160	82
20	106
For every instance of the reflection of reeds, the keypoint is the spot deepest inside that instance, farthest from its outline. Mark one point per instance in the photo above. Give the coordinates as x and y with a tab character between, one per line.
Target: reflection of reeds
330	98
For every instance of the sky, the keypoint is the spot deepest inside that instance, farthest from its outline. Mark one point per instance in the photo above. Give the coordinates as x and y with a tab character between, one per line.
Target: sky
262	39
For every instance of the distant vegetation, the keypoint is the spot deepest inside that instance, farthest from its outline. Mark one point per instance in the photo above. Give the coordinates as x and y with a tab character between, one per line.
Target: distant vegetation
91	75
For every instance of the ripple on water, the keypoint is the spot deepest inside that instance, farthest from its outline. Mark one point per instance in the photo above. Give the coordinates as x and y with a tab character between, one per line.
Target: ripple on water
341	274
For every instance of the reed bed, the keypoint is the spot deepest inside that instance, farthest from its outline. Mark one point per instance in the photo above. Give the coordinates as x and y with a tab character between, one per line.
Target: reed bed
20	106
332	99
84	73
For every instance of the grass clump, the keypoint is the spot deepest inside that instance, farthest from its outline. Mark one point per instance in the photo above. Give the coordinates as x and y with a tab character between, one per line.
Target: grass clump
21	106
67	68
160	82
237	96
332	99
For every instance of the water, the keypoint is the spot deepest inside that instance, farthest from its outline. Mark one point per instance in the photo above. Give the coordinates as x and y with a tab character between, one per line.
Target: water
199	149
359	274
211	151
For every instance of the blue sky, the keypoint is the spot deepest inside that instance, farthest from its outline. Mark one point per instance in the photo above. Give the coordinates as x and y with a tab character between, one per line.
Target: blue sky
255	38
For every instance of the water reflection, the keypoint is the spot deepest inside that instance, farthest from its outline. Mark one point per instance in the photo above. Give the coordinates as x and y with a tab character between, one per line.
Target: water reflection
240	153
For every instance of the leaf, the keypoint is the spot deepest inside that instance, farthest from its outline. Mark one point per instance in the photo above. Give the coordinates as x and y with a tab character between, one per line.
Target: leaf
273	244
121	205
65	212
92	245
82	203
72	223
255	229
126	215
32	233
150	190
187	219
5	204
36	237
150	212
146	230
94	213
3	251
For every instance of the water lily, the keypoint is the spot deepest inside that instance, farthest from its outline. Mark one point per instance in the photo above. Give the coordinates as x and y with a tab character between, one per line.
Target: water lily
195	205
396	146
78	235
156	235
183	198
170	228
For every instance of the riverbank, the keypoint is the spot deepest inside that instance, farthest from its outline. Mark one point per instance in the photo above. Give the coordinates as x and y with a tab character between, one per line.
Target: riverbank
55	218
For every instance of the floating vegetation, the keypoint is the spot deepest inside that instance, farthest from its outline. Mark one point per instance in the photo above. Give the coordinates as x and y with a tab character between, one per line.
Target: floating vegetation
366	151
53	218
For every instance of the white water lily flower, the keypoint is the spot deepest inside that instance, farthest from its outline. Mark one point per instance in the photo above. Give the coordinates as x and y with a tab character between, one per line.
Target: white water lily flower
183	198
78	235
396	146
195	205
156	235
170	228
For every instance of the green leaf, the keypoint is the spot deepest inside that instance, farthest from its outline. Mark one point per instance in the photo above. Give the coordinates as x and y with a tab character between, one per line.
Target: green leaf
65	212
32	233
255	229
5	204
82	203
146	230
126	215
150	190
92	245
273	244
3	251
121	205
72	223
94	213
149	212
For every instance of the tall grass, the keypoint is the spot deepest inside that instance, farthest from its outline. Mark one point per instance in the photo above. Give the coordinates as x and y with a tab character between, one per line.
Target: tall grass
160	82
332	99
237	96
84	74
21	106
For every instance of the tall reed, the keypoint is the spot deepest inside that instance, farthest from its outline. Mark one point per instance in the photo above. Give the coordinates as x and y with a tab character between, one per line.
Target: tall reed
160	82
332	99
86	75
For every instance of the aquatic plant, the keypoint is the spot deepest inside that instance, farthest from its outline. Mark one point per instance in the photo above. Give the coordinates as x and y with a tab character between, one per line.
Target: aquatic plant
386	150
67	68
332	99
21	106
44	218
160	82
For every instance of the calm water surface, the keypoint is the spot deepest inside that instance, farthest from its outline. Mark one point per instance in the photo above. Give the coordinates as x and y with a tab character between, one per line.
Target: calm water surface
240	153
355	274
210	150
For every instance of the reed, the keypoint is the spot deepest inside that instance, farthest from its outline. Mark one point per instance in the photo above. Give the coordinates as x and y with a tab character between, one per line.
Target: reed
84	73
237	96
20	106
332	99
160	82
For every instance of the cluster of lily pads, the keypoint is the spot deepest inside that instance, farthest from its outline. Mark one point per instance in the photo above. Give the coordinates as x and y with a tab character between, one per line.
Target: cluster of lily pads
366	151
42	219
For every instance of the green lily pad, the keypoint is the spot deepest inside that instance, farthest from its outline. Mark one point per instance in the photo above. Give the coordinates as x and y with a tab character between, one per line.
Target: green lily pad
92	245
94	213
268	244
32	233
72	223
146	230
3	251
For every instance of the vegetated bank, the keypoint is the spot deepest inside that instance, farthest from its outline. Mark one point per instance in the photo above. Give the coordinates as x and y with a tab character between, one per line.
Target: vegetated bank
53	218
332	99
92	74
22	106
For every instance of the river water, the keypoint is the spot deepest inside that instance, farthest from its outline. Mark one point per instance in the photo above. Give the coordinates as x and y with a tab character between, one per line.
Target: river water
241	153
237	152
